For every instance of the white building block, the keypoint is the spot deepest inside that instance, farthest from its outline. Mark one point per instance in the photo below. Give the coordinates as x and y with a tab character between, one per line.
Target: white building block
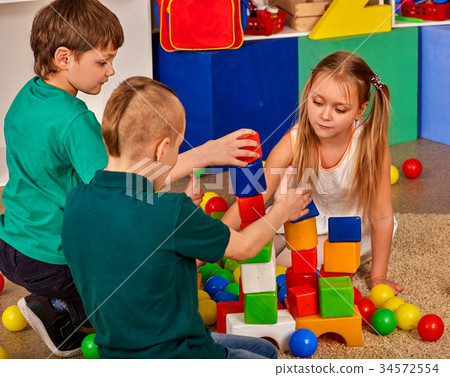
280	332
259	277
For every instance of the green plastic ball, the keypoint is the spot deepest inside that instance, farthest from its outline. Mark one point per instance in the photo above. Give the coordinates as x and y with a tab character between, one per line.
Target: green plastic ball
226	274
89	348
233	288
207	270
231	265
383	321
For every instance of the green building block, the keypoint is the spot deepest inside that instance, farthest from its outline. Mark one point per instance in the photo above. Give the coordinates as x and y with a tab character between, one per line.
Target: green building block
393	55
260	308
336	297
263	256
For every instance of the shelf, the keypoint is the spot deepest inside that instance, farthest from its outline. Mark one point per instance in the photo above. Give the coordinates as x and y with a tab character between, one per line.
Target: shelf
397	24
287	32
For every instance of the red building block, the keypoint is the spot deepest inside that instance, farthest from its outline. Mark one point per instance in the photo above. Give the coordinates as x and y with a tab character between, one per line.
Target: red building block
295	280
224	308
257	150
251	208
304	261
303	300
324	274
246	224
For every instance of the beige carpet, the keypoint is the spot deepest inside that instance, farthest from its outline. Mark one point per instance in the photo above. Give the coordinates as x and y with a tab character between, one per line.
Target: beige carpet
420	262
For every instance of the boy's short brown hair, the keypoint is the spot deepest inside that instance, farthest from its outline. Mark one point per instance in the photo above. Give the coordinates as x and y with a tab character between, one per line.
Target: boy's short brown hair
140	111
79	25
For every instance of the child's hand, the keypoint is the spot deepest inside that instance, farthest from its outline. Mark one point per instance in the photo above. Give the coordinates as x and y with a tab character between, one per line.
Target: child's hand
293	200
193	190
224	151
397	288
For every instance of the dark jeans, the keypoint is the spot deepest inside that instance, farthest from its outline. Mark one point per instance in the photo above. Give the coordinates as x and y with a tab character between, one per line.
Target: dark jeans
43	279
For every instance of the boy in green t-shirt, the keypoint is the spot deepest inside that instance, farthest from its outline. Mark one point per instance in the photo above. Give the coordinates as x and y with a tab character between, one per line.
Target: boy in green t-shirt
132	248
54	144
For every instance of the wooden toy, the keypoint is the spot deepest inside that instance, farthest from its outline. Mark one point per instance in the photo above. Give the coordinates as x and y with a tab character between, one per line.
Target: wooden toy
225	308
393	303
208	311
344	229
408	316
303	300
295	280
251	208
341	256
383	321
324	274
412	168
260	308
257	150
280	331
301	235
336	297
430	327
301	15
366	308
264	256
259	277
89	348
380	294
13	319
249	180
304	261
303	343
348	327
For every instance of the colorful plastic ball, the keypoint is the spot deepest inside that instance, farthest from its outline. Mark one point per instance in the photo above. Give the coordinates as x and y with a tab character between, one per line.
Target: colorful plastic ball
281	280
303	343
224	296
216	204
282	294
89	348
383	321
207	269
280	270
13	319
393	303
2	282
226	274
408	316
356	294
231	265
208	312
237	274
380	294
208	195
366	308
394	174
3	353
215	284
202	295
430	327
412	168
233	288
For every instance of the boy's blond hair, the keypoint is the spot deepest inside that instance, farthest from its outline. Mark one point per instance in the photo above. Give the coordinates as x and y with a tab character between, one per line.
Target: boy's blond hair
139	112
79	25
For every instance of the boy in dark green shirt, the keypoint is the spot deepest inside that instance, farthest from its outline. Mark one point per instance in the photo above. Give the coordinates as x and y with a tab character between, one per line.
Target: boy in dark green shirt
132	249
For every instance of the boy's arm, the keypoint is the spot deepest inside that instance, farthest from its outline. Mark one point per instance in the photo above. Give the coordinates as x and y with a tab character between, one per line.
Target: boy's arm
223	151
279	158
382	224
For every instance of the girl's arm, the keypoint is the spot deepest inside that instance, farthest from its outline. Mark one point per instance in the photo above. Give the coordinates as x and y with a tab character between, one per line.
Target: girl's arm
279	158
382	225
223	151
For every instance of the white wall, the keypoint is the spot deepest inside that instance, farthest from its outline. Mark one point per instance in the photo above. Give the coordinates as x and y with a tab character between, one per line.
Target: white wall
16	57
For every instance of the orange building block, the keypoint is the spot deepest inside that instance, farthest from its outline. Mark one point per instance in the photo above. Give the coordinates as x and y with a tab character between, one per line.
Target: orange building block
301	235
350	328
341	256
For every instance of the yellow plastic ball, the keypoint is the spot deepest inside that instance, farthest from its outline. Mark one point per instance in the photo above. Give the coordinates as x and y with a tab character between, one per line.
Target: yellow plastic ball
264	163
202	295
408	316
393	303
394	174
380	294
280	270
208	312
208	195
13	319
3	353
237	274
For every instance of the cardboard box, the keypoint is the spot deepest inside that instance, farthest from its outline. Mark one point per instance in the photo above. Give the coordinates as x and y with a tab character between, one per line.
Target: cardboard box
301	23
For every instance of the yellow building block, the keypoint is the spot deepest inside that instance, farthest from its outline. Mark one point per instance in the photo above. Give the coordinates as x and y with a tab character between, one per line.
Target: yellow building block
350	328
341	256
301	235
352	17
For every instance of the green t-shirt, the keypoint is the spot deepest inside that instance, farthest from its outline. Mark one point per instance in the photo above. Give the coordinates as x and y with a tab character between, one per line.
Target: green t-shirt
53	144
132	256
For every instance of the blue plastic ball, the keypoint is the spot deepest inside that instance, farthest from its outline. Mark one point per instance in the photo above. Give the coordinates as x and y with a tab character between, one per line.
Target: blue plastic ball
282	294
215	284
281	280
224	296
303	343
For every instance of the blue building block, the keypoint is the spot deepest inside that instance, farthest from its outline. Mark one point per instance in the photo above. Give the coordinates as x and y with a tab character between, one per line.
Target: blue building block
313	212
344	229
248	181
434	83
255	86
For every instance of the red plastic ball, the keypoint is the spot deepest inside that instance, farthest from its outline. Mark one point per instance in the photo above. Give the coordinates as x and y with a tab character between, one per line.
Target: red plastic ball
412	168
2	282
357	294
430	327
366	309
216	204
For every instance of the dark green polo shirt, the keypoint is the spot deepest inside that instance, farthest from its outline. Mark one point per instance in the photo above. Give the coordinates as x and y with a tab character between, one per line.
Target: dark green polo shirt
132	255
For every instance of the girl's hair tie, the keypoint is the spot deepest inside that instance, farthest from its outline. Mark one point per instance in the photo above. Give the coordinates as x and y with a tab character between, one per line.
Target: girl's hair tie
377	82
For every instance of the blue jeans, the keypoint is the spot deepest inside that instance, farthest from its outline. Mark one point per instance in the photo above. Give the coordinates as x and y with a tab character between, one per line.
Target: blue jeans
245	347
